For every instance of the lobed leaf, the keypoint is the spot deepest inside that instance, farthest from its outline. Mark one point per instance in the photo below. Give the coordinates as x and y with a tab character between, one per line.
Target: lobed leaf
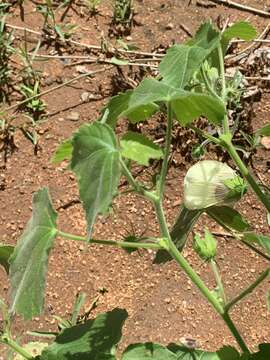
139	148
95	161
176	352
29	261
5	254
242	30
229	218
95	339
116	106
147	351
186	105
206	37
180	63
63	152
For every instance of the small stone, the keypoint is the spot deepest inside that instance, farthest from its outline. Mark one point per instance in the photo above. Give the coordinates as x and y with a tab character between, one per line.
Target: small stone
85	96
169	26
129	38
81	69
73	116
265	141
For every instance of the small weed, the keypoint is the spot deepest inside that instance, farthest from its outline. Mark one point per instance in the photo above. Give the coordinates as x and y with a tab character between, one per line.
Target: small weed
122	17
92	6
6	50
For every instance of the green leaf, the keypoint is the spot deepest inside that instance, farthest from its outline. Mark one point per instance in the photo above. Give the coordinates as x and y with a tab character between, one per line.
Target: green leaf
95	161
225	353
262	240
206	37
33	348
138	148
229	218
183	225
262	354
265	130
116	106
148	351
242	30
5	253
186	105
63	152
95	339
28	263
180	63
119	62
176	352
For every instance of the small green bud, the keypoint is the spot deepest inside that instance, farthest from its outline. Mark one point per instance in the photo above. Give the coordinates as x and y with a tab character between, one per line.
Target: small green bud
206	248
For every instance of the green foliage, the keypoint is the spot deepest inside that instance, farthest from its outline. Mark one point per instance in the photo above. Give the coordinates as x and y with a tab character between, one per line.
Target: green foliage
95	339
33	348
5	253
229	218
96	163
186	105
63	152
138	148
261	240
28	263
191	84
265	131
242	30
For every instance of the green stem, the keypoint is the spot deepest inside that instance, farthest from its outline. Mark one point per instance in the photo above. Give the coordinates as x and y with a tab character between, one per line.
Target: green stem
257	251
225	123
235	333
118	244
246	174
218	280
194	277
168	140
174	252
6	318
205	135
207	84
136	186
16	347
248	290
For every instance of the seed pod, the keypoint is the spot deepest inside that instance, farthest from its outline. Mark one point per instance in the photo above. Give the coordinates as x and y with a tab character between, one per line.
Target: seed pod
212	183
206	248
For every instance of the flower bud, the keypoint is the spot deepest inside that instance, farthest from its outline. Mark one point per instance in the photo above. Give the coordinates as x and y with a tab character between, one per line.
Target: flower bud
206	248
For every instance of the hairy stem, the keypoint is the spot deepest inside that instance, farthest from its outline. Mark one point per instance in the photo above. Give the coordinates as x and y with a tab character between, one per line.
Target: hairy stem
174	252
118	244
218	280
164	169
136	186
247	175
235	333
5	339
248	290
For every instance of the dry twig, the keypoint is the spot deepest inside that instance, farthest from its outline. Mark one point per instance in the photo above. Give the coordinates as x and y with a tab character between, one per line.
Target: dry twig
56	88
242	7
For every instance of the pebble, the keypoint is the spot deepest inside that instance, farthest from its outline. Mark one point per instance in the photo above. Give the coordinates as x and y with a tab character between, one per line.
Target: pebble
169	26
265	141
85	96
73	116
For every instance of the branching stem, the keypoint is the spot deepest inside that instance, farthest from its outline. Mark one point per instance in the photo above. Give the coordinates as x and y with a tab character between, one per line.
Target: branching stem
118	244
